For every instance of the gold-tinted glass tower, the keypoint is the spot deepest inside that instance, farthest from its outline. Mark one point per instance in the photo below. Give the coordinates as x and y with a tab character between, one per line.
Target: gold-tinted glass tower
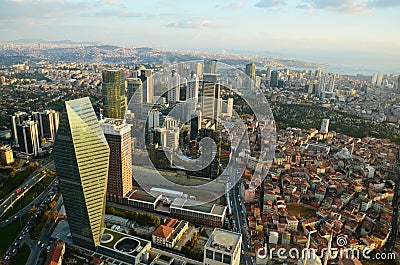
81	155
114	95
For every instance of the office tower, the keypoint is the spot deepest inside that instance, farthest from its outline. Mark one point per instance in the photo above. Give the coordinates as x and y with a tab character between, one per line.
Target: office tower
195	125
146	75
210	149
81	157
210	66
153	118
192	88
398	82
173	93
114	95
274	79
210	96
223	247
196	68
331	83
28	137
379	80
269	71
16	119
118	136
48	121
322	84
170	122
251	73
172	138
227	107
374	79
325	126
134	87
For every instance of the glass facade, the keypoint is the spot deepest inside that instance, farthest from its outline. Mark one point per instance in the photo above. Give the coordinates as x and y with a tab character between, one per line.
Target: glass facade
114	95
81	155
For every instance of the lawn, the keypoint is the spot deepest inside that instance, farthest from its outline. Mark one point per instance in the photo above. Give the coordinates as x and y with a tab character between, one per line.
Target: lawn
22	255
300	210
10	232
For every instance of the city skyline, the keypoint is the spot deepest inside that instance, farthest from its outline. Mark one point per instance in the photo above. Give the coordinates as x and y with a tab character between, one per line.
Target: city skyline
344	32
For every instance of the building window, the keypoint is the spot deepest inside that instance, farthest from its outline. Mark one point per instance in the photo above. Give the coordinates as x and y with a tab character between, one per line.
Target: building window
227	259
218	256
209	254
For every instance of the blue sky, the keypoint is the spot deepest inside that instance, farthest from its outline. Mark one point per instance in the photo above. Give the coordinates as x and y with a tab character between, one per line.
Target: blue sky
348	31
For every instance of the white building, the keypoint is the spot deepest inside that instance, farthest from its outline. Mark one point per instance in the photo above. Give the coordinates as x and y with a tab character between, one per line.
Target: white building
223	247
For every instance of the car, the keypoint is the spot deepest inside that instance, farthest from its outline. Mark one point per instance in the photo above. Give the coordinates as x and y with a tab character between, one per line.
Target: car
15	217
42	245
38	243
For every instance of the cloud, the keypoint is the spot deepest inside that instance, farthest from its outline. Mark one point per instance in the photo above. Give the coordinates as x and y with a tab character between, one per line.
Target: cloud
269	3
190	24
383	3
112	2
348	6
235	5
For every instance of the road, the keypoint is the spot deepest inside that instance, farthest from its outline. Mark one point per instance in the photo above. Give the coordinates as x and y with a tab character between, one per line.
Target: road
24	235
240	221
34	178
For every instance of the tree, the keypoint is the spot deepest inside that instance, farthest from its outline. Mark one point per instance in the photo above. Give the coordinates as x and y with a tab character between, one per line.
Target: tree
32	210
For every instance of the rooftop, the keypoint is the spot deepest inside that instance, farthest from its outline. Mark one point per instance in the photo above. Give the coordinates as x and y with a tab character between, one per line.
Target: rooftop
224	240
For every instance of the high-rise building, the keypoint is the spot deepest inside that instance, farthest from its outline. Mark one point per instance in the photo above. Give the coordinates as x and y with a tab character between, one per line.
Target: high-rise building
153	118
173	94
374	79
192	88
48	121
398	82
331	83
118	136
223	247
210	154
210	66
325	126
134	87
16	119
114	95
251	73
196	68
379	80
172	138
146	75
322	85
195	125
81	157
28	138
210	96
274	79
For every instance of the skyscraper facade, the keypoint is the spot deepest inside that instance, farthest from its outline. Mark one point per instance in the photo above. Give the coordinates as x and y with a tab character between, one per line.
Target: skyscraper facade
118	136
210	96
146	75
28	137
114	95
274	79
173	94
134	87
16	119
251	73
81	156
48	121
210	66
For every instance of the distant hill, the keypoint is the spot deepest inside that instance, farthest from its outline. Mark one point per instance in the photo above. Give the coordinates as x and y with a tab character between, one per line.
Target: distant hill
53	41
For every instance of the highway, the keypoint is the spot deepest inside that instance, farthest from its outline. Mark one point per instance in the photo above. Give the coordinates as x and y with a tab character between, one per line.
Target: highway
34	178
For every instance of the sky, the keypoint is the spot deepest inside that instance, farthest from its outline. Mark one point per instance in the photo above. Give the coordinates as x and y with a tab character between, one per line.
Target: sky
357	33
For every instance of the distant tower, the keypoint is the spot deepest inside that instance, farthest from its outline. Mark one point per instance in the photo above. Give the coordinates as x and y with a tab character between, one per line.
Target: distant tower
153	118
192	89
251	73
16	119
332	83
210	96
114	95
48	122
322	85
379	80
148	87
28	137
134	85
81	158
374	79
173	94
325	126
210	66
274	79
118	136
398	82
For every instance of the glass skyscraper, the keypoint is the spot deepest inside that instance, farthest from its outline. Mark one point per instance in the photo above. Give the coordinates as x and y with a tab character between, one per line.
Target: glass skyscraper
81	156
114	95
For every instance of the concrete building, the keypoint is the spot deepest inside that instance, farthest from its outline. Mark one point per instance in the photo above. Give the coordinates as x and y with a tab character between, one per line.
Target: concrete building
48	121
210	95
28	138
174	89
6	155
118	136
168	234
223	247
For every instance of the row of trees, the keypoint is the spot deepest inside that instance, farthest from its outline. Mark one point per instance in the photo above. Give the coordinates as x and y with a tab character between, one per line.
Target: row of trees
140	218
